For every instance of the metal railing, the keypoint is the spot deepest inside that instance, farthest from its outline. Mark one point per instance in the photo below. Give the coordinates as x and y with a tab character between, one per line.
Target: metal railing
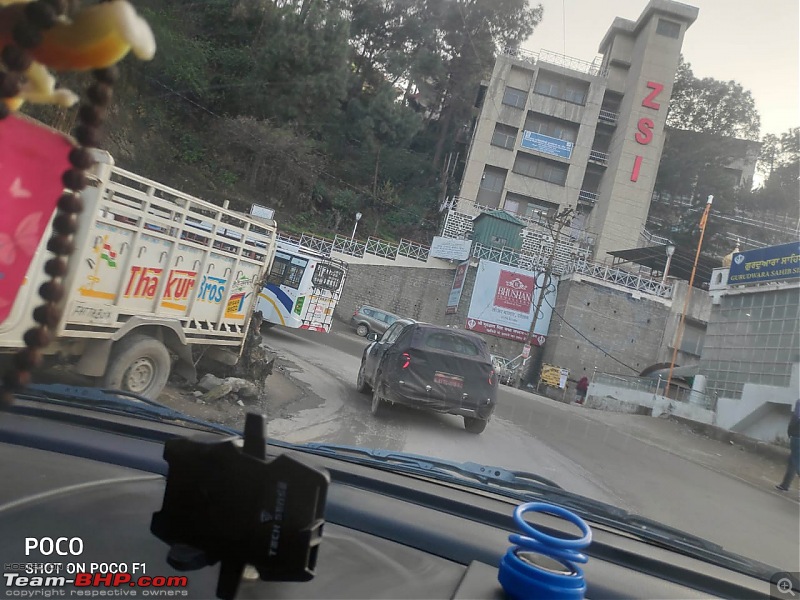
571	256
587	196
608	116
345	245
413	250
598	157
560	60
623	278
317	243
656	387
379	247
654	239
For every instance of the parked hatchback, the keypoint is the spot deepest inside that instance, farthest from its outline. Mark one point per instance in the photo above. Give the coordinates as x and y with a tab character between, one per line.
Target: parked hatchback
370	319
430	367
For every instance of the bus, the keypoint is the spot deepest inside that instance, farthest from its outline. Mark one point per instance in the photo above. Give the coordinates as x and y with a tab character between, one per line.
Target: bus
302	288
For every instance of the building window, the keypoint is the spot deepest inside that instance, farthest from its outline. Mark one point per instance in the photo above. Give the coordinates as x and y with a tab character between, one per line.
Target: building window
668	28
564	88
491	188
504	136
541	168
527	205
551	126
499	242
515	97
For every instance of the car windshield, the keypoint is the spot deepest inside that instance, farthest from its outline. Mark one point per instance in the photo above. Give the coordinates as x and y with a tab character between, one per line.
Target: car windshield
603	196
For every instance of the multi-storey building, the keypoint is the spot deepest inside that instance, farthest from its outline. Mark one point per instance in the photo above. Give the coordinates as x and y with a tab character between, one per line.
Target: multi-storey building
557	132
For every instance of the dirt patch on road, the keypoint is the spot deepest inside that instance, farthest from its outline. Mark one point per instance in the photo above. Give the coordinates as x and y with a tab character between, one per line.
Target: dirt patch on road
279	395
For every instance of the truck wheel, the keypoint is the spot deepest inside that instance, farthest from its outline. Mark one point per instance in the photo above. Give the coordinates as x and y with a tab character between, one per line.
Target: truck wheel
138	364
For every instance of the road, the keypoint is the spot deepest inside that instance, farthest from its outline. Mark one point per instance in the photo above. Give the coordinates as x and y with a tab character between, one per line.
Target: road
596	454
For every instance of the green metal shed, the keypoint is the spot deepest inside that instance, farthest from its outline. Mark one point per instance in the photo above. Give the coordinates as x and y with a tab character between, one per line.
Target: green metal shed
498	229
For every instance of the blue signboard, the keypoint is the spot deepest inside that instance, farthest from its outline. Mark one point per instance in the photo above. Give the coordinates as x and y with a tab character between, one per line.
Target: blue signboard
547	144
765	264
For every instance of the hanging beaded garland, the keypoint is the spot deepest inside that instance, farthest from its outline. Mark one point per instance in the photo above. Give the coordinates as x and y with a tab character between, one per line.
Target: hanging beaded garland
32	21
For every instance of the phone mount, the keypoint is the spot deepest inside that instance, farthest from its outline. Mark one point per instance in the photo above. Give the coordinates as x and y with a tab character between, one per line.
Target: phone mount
224	502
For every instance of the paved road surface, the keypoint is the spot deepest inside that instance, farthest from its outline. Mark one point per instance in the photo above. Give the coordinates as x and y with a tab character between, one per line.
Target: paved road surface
580	449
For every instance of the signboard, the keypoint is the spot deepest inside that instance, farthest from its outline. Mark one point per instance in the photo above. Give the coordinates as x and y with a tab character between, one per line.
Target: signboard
546	144
503	301
458	286
526	351
773	263
262	212
554	376
450	249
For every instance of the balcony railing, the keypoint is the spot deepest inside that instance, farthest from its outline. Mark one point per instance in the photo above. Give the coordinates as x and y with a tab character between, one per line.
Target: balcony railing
587	196
560	60
653	239
608	116
598	157
623	278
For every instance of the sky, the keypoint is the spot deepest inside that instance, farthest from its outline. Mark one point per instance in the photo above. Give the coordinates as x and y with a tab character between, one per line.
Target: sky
753	42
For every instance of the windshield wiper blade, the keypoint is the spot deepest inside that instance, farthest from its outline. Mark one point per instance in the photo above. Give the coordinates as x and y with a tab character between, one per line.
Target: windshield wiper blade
481	473
525	487
116	401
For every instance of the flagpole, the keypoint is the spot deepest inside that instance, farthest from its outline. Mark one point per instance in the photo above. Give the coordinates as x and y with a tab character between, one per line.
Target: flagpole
703	222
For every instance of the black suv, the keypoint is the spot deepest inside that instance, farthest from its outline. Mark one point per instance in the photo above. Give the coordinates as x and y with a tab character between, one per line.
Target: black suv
431	367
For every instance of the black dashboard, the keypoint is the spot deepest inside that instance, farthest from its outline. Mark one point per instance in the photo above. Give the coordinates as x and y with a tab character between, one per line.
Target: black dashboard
70	474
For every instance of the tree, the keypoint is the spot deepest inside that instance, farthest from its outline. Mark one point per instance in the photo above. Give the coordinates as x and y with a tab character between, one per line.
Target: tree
473	32
712	106
781	166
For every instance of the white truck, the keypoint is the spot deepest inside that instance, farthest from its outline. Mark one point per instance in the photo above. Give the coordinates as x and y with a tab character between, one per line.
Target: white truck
156	274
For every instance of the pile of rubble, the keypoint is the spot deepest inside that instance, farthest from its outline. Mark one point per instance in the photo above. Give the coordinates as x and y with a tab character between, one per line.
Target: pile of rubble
211	388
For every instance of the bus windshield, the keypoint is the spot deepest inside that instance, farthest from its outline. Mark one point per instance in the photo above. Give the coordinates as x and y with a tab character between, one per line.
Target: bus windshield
287	270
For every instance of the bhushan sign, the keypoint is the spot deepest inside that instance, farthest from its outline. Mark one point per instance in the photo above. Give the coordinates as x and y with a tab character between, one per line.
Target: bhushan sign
503	301
644	129
514	291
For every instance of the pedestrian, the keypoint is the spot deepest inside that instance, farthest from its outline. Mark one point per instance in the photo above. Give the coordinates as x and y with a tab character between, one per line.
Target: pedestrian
581	389
793	464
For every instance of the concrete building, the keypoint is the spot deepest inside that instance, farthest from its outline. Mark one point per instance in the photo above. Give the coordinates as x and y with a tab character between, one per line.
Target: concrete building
751	354
554	131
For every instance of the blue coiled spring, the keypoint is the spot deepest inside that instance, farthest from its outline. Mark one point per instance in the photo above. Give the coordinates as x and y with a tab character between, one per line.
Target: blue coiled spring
543	566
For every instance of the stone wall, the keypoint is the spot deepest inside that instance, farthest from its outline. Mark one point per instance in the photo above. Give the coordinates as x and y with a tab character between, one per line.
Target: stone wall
417	293
615	328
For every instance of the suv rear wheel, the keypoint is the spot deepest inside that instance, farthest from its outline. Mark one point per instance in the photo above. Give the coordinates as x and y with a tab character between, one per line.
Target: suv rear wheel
361	382
474	425
378	404
362	329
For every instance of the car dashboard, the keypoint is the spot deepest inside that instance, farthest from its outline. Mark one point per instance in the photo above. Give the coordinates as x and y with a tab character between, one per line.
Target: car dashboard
70	474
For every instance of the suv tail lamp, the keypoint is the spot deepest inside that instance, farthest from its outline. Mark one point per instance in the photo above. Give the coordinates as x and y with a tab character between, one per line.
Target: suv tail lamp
405	358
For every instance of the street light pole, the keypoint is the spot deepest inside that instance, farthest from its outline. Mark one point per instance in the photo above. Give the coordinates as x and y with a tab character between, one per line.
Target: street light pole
557	223
670	252
358	218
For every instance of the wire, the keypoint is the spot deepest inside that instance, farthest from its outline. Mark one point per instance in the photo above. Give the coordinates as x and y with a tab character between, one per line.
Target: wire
575	329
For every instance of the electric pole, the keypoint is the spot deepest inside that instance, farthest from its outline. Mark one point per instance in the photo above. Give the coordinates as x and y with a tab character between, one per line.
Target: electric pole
554	225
